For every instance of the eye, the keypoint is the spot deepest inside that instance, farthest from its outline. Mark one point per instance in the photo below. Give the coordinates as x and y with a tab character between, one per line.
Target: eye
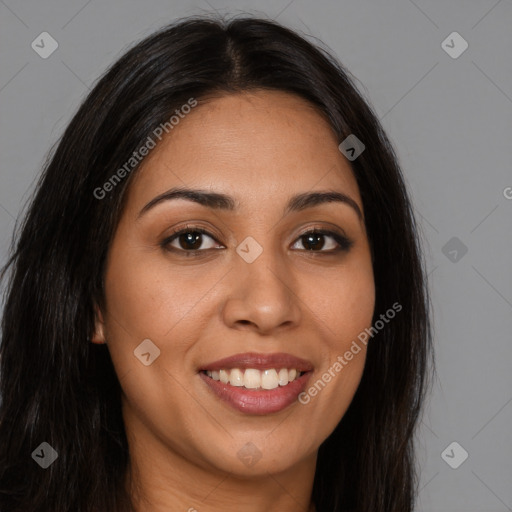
189	239
314	241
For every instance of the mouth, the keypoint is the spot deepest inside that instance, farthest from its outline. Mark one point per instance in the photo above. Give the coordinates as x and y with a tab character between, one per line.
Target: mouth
257	383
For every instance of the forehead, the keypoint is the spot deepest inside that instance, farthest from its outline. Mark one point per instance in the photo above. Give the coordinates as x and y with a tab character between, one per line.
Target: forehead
257	146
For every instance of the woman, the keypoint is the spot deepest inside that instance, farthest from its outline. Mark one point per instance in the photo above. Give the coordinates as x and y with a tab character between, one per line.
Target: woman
216	299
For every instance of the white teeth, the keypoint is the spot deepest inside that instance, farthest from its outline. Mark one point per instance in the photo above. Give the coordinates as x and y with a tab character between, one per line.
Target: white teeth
269	379
255	379
252	378
236	377
224	376
283	376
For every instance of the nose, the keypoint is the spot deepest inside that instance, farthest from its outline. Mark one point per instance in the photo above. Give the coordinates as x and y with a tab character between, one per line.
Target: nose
263	296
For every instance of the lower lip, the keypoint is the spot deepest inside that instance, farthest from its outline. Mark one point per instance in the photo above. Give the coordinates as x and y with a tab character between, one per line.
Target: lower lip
251	401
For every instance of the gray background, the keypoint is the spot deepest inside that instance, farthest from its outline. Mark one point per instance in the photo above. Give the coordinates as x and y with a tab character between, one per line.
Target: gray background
450	120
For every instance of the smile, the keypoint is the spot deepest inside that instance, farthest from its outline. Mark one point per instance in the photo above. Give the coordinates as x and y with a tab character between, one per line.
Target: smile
257	383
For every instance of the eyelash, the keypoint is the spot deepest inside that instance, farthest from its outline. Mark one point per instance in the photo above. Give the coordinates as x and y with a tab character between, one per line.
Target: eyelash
344	244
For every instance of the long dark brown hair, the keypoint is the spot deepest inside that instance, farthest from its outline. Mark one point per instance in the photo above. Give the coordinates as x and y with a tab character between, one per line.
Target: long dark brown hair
58	387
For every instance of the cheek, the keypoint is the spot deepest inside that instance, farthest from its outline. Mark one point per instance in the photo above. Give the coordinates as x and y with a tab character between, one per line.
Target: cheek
345	307
147	299
356	302
352	313
150	297
344	300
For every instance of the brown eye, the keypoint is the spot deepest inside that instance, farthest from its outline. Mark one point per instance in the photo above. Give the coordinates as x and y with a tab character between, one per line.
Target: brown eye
190	239
314	241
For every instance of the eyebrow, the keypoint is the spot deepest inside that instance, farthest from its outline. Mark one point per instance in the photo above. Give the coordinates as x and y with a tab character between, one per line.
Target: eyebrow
220	201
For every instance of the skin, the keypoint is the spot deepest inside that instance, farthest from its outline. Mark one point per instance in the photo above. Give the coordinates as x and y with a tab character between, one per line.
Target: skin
260	148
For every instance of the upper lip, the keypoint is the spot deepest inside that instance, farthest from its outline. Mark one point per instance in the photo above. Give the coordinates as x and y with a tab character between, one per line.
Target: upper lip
260	362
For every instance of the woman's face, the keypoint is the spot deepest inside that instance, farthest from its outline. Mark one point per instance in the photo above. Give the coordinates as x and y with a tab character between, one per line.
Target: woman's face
251	301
